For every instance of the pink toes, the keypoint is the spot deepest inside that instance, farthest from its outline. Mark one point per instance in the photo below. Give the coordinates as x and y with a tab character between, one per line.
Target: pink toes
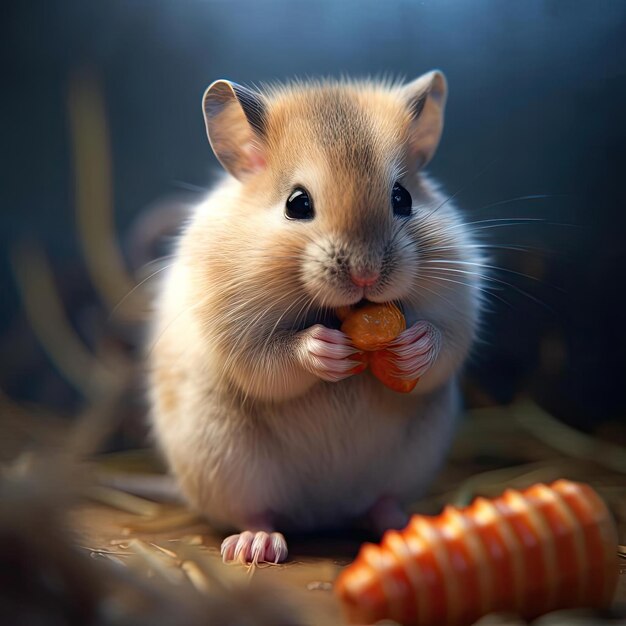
325	352
254	547
416	349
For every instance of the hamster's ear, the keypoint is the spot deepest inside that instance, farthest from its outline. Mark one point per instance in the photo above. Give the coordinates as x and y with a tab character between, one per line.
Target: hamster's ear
235	124
426	97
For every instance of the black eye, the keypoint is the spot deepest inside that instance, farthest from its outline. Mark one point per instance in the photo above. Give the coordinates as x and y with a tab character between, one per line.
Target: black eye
299	206
401	200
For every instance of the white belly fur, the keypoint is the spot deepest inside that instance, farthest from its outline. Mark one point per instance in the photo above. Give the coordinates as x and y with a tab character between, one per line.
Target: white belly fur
313	462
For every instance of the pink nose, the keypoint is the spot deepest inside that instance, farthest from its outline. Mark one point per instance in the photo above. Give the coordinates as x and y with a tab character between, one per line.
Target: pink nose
363	279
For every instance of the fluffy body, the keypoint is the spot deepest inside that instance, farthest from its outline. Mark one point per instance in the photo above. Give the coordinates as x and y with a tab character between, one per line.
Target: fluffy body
245	410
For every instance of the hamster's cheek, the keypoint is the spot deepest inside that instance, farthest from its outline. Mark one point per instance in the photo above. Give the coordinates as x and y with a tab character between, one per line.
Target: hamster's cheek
274	216
323	279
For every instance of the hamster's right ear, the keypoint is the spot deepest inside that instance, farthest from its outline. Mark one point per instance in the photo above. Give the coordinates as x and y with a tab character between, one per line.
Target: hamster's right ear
235	119
426	97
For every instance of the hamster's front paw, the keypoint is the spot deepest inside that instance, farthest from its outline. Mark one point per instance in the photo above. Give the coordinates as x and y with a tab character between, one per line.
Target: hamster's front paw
415	350
324	352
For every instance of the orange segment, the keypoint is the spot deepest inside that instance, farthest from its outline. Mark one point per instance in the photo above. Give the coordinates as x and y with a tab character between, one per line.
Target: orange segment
469	567
600	537
528	527
434	592
503	554
564	532
361	588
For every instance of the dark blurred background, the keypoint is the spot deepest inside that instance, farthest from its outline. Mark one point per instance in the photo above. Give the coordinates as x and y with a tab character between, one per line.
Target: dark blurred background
536	108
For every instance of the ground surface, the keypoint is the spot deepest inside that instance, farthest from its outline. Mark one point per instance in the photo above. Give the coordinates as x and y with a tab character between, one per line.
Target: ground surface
480	462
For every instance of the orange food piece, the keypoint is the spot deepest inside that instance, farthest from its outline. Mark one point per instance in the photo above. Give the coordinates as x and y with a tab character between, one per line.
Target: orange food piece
342	312
382	367
373	326
546	548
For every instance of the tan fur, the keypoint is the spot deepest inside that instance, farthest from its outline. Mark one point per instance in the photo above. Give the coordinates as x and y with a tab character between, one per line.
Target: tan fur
168	385
247	430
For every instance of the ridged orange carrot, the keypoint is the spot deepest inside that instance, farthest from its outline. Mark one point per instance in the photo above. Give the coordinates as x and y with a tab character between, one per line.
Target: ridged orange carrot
533	551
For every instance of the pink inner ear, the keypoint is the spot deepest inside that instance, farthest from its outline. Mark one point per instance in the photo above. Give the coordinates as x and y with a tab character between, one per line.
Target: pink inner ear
254	158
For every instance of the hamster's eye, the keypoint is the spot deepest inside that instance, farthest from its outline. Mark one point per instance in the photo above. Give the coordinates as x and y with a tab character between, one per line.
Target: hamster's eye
299	205
401	200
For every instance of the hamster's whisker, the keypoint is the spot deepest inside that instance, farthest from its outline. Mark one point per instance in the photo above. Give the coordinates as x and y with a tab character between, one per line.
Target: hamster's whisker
317	244
476	225
237	286
525	222
134	289
453	229
301	312
304	297
182	184
311	303
259	362
503	219
417	290
537	196
493	279
398	231
487	246
488	266
463	187
149	264
437	271
304	311
297	257
504	225
247	306
274	304
244	334
281	317
169	325
485	290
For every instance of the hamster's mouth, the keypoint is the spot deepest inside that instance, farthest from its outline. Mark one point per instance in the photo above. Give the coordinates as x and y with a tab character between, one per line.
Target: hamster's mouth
329	317
363	301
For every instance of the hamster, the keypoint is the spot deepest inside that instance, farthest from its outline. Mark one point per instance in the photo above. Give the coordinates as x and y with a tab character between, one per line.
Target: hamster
258	402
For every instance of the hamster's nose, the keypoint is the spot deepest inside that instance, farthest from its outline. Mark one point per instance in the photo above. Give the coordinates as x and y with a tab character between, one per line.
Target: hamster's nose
364	278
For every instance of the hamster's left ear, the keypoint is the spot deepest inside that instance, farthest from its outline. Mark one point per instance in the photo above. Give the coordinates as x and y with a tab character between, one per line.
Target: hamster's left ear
235	119
426	98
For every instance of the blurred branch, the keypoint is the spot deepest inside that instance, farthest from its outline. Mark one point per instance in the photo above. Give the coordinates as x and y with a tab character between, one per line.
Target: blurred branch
571	442
20	427
45	313
493	482
94	190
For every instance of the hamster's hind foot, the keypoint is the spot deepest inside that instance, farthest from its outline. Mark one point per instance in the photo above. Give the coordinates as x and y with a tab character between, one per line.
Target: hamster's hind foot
254	547
387	514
